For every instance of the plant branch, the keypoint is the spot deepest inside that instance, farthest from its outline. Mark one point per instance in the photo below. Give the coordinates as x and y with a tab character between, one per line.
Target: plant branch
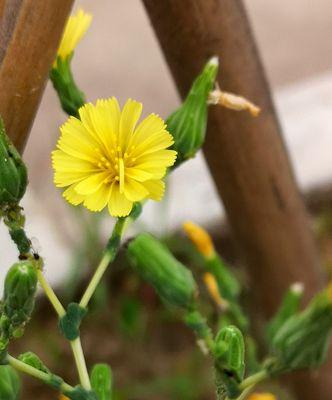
36	373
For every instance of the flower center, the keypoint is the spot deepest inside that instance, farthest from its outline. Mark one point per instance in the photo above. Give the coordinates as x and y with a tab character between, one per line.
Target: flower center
114	162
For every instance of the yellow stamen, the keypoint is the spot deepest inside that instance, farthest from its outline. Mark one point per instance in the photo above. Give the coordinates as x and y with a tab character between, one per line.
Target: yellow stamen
201	239
63	397
212	287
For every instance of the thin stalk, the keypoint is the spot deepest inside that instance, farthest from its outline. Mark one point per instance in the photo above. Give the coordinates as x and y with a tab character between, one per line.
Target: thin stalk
77	349
109	255
52	297
75	344
28	369
253	380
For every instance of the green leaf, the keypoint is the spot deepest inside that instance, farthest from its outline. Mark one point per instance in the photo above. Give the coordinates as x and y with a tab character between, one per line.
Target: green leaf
101	381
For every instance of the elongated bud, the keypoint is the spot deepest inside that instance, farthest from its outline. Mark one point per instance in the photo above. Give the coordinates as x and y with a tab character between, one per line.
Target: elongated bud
172	281
188	123
101	381
20	291
13	172
302	341
33	360
289	306
9	383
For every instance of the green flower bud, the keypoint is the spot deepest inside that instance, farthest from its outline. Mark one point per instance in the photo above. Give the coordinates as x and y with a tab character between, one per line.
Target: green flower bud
101	381
229	351
172	281
34	361
302	341
20	291
289	306
229	360
188	123
9	383
71	98
13	172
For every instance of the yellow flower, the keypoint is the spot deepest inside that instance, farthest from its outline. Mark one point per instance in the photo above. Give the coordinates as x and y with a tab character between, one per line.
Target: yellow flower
262	396
75	29
200	237
105	159
63	397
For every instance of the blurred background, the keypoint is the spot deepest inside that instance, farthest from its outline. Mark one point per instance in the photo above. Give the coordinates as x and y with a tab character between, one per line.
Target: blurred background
120	56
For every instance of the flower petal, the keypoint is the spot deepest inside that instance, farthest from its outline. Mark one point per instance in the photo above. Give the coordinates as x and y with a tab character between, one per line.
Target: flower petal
129	116
118	204
72	196
138	174
150	125
155	188
91	184
134	191
98	200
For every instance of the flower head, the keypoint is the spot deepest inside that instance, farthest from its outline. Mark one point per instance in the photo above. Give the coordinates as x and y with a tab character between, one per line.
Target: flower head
105	159
75	29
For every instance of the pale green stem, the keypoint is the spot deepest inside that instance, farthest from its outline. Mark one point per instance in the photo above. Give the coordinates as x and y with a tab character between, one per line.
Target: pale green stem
28	369
52	297
245	393
75	344
109	255
254	379
248	384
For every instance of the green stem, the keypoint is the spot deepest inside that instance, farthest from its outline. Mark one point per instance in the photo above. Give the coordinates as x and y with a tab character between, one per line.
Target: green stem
248	384
253	380
28	369
109	255
52	297
76	346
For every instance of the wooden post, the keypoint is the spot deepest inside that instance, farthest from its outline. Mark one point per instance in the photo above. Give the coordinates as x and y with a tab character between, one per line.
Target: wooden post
30	31
246	155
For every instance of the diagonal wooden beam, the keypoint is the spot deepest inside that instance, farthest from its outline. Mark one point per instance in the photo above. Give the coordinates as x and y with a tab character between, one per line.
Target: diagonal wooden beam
247	157
30	31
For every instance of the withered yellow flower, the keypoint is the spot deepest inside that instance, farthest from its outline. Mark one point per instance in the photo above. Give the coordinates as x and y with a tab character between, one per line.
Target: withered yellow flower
105	159
200	237
213	289
262	396
75	29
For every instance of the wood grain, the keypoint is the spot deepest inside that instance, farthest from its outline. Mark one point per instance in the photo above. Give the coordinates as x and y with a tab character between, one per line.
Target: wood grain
246	156
30	31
